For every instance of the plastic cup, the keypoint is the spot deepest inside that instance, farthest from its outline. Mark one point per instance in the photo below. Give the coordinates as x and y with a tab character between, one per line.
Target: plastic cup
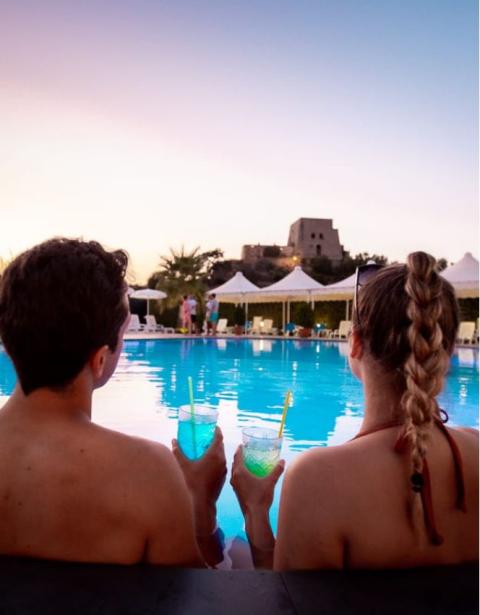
261	449
195	435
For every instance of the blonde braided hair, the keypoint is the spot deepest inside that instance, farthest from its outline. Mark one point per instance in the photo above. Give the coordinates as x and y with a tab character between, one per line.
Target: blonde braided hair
427	364
407	317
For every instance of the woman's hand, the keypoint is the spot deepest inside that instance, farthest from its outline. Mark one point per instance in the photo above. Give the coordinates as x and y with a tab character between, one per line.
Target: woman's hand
255	496
205	478
253	493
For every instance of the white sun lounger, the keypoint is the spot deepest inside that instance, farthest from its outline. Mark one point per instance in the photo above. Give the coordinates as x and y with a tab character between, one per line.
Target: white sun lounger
256	325
135	324
268	328
152	326
222	325
466	332
343	330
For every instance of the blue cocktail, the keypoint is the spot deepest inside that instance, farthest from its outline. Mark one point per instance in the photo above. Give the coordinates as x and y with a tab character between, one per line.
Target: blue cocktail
195	432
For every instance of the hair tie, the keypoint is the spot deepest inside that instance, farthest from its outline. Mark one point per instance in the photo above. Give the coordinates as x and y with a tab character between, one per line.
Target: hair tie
417	482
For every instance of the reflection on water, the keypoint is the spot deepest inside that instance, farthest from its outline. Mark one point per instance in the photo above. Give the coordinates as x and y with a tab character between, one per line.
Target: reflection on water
247	381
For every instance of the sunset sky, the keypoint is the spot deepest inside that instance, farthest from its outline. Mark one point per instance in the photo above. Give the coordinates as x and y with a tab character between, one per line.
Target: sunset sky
150	124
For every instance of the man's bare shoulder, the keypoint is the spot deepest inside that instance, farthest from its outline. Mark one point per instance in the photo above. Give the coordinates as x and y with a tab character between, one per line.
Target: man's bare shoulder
139	471
133	452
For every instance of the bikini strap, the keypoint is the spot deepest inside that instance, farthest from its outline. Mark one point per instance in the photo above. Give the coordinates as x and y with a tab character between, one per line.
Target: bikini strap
421	484
460	503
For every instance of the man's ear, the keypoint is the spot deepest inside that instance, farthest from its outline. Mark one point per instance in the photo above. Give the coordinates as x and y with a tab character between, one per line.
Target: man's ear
356	345
98	361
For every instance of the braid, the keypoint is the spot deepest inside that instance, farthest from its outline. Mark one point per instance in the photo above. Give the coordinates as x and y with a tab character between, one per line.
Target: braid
427	363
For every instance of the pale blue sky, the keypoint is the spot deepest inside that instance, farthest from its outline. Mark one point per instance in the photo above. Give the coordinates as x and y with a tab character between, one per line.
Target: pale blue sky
152	124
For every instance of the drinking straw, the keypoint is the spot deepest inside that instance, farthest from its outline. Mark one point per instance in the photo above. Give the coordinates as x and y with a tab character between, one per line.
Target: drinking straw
192	418
190	392
288	396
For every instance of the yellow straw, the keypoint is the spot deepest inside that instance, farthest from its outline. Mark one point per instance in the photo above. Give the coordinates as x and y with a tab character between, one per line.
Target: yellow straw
284	415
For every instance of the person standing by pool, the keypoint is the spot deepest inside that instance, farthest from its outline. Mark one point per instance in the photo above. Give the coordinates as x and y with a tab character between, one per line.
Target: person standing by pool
185	316
404	492
192	302
211	317
213	313
70	489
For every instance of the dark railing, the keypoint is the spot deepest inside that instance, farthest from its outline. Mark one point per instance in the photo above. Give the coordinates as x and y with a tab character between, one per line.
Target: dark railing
29	586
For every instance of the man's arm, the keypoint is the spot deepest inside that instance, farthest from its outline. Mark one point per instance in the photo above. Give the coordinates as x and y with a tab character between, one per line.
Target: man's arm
205	478
171	537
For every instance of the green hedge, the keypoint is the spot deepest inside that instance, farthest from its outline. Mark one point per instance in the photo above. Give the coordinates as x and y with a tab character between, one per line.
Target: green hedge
330	313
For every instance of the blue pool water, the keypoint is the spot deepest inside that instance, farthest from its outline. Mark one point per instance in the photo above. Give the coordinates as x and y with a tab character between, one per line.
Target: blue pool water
247	380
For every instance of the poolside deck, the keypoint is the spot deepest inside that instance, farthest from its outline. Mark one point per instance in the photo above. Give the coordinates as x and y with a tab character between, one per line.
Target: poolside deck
30	586
140	335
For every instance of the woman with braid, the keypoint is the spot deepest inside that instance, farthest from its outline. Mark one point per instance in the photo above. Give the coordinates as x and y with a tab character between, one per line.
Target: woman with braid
404	491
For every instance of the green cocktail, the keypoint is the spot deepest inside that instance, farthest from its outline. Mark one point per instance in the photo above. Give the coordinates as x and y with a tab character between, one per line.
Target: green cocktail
195	433
261	449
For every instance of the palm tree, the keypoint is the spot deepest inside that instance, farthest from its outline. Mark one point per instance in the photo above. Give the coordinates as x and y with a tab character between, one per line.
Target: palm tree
184	273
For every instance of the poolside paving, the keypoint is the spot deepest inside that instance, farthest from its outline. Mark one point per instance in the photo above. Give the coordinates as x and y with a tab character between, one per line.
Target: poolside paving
170	336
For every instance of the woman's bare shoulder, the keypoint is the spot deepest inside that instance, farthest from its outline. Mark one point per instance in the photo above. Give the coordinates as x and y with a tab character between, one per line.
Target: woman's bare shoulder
323	465
471	431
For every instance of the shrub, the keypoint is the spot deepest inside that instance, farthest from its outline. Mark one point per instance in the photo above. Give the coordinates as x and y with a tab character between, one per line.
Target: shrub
239	316
305	317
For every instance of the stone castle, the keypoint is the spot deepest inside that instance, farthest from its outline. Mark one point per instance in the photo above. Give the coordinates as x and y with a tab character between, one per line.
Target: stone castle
308	238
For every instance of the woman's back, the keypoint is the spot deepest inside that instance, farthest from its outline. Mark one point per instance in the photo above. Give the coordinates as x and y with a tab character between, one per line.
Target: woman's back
350	506
394	497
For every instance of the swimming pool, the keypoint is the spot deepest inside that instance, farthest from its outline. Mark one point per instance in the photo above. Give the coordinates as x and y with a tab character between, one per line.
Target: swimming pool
247	380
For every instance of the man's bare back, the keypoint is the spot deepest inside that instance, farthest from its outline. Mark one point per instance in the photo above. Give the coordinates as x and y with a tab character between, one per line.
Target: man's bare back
72	490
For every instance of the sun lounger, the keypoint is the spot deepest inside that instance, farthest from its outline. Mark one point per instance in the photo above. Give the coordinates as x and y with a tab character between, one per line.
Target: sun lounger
466	332
222	325
257	325
343	330
135	324
268	328
152	326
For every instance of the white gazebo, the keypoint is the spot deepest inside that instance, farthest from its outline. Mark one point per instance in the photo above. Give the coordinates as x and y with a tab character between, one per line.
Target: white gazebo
343	290
146	294
236	290
463	276
295	286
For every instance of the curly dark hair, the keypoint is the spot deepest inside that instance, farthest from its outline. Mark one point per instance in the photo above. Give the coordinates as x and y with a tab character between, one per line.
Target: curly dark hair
60	301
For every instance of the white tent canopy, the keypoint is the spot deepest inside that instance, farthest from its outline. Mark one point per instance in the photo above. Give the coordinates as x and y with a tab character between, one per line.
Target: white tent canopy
295	286
339	291
235	290
463	276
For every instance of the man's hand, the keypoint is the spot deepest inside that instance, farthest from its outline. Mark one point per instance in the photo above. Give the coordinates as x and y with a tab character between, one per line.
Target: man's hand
205	478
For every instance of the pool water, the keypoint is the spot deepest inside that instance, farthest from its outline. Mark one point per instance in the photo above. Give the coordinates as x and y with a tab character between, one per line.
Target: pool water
246	380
